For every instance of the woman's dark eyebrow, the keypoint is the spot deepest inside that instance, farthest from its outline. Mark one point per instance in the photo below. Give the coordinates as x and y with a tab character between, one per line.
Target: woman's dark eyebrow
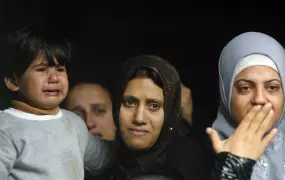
251	82
245	80
130	97
269	81
76	108
155	100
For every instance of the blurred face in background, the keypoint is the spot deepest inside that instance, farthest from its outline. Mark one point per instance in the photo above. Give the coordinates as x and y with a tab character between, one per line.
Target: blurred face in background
93	104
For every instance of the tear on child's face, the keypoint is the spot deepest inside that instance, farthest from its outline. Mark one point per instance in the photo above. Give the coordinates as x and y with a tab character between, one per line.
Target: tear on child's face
42	85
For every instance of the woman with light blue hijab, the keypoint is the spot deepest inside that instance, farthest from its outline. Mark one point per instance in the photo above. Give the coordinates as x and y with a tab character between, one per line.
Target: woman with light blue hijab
250	118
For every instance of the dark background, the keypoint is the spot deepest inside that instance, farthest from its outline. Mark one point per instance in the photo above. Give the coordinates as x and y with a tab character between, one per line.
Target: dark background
105	34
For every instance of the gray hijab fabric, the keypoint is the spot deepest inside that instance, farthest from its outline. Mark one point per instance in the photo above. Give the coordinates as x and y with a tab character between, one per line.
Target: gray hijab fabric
271	164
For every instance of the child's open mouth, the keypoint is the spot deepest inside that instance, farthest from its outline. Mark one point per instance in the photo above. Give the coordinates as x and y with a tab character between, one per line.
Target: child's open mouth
52	92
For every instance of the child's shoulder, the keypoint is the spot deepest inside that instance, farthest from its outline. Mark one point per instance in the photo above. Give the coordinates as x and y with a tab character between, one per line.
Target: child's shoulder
5	117
8	122
76	121
71	116
68	113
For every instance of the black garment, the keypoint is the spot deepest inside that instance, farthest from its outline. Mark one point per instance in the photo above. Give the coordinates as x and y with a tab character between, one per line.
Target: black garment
105	175
188	160
132	163
231	167
201	121
151	177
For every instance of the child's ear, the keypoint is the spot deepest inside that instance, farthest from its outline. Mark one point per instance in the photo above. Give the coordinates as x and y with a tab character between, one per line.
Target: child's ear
12	83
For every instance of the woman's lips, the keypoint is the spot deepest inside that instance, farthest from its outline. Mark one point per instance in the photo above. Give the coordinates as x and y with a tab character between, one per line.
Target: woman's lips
138	131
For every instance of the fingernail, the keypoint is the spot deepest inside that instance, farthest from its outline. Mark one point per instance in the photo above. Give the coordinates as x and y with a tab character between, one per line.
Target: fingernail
208	131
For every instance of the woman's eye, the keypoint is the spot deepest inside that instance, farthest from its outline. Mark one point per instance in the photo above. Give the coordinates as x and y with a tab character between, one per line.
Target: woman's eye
129	103
154	106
